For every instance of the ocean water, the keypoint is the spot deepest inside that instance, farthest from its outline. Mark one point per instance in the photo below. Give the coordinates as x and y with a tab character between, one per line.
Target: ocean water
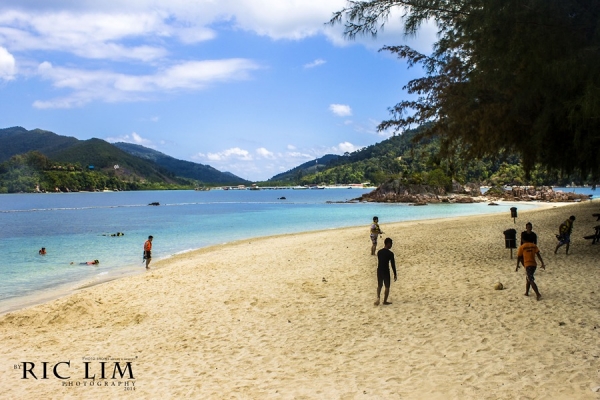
77	227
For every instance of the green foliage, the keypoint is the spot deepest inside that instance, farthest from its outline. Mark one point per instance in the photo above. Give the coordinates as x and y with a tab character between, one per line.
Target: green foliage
186	169
414	161
34	172
506	77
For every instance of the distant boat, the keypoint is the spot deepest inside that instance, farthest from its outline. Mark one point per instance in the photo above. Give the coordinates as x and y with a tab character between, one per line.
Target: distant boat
300	187
154	203
317	187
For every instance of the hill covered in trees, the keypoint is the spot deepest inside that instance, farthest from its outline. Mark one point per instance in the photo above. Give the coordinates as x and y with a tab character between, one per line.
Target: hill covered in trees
186	169
42	160
414	159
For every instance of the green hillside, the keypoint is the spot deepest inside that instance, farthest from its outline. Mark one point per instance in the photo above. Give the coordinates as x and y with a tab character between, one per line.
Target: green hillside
202	173
103	156
133	167
309	167
416	160
18	140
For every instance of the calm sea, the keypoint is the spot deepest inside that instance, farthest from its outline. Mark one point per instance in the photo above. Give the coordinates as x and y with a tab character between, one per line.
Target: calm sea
78	227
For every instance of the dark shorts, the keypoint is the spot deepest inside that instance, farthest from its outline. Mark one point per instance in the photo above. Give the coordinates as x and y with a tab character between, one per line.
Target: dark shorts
383	277
147	255
530	271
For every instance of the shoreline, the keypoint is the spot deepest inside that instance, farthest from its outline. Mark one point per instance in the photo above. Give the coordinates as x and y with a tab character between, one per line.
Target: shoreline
67	289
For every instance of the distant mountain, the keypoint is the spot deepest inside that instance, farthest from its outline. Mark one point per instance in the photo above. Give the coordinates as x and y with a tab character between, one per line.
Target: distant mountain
309	167
18	140
133	160
186	169
104	156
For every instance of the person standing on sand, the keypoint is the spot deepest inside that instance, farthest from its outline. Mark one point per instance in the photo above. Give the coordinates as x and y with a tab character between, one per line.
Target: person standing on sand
148	251
528	235
526	255
385	257
564	233
375	231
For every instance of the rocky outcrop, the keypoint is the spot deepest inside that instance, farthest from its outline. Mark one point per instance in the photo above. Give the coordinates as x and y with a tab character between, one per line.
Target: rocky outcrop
398	192
531	193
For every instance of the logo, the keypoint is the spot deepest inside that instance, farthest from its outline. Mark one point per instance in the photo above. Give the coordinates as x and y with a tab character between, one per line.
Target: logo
109	371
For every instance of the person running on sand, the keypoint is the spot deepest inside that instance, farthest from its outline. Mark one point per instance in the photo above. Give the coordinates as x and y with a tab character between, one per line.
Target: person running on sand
528	235
385	257
148	251
375	231
564	233
526	255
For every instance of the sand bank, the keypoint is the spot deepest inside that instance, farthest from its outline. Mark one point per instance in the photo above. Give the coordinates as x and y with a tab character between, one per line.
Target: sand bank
292	317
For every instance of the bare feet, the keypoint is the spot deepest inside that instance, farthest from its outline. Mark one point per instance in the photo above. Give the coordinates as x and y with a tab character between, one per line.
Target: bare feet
526	294
377	302
539	296
385	303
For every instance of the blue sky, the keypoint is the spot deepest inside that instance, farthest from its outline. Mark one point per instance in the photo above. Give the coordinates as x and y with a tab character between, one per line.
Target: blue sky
253	87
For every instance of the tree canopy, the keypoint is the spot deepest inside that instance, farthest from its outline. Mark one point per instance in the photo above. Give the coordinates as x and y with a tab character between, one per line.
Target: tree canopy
504	77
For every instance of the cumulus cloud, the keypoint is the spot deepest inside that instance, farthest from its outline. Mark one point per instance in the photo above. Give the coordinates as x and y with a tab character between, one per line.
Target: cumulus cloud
346	147
134	138
264	153
7	65
110	86
341	110
233	153
315	63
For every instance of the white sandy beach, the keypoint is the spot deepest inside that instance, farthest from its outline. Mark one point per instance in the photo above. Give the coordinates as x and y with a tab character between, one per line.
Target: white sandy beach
292	317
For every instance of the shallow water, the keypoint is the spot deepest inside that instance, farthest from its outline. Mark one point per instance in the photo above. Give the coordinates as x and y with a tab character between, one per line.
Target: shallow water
77	227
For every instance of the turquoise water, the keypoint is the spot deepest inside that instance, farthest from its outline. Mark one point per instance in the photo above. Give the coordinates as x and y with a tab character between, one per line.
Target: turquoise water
77	227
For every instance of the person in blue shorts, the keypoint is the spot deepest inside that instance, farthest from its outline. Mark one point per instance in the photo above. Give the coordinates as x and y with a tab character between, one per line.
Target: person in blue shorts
564	233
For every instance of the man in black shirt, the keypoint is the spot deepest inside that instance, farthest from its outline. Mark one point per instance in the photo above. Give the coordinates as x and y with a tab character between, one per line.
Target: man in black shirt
385	257
528	236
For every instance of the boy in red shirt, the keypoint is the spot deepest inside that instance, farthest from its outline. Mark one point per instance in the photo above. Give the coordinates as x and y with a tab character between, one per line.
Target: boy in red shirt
526	255
148	251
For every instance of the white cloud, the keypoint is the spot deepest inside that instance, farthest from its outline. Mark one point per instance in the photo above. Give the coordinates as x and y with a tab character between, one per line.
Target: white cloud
264	153
233	153
291	147
347	147
109	86
341	110
7	65
315	63
134	138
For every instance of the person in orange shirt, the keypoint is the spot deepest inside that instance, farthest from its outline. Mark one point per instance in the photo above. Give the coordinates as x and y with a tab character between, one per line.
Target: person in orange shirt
148	251
526	255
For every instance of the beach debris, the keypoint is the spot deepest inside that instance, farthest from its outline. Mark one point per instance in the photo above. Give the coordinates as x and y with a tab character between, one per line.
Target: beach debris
324	280
561	324
498	286
596	389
